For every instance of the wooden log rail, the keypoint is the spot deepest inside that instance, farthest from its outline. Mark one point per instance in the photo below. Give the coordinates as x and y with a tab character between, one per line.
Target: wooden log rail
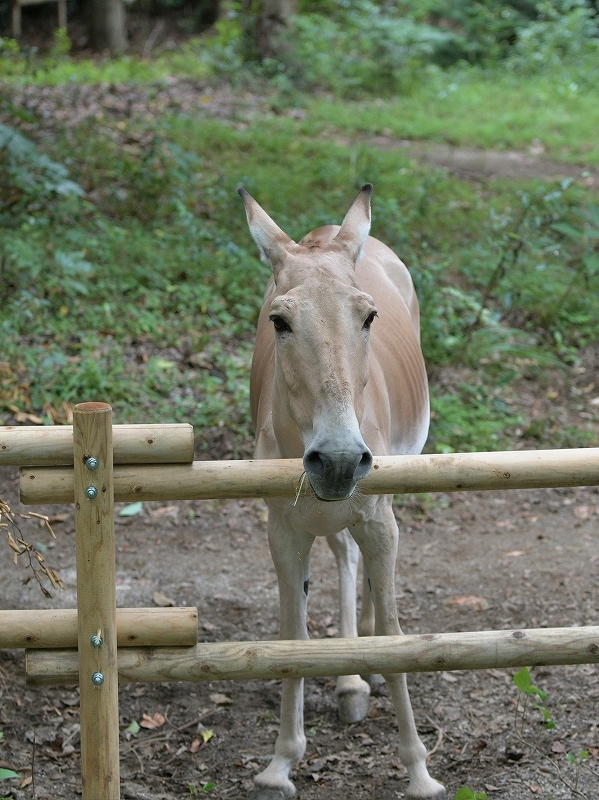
135	627
207	480
132	444
316	657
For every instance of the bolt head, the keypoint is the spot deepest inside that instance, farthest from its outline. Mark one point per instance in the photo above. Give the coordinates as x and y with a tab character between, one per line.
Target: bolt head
92	463
96	641
97	678
91	492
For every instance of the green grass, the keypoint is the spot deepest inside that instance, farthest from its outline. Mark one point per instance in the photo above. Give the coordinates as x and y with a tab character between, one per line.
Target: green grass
492	109
57	67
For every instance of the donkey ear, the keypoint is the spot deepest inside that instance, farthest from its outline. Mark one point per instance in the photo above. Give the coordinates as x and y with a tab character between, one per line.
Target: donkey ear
356	225
273	243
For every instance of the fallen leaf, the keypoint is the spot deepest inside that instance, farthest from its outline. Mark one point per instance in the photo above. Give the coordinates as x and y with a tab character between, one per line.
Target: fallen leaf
583	512
58	518
163	511
448	677
199	360
26	782
133	728
470	601
507	524
558	747
8	773
534	788
22	417
194	746
220	699
162	600
152	722
132	509
206	734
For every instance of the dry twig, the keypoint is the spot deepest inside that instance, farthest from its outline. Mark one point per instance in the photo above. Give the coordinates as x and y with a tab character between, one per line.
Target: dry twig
20	547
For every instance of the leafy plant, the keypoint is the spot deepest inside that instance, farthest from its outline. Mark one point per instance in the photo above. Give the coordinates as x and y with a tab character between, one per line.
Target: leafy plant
565	31
467	794
382	51
472	418
523	682
28	177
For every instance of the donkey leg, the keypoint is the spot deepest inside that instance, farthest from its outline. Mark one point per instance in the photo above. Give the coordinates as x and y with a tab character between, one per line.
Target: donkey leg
366	618
366	625
378	542
291	555
352	692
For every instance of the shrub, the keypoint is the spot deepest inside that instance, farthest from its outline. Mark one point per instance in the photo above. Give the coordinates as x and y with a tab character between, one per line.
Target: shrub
565	33
368	50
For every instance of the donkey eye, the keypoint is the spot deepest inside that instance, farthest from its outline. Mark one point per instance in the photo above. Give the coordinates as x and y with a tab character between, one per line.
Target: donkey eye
281	325
369	320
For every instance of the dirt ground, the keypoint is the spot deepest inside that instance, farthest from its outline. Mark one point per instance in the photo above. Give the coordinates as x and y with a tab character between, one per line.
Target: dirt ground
473	561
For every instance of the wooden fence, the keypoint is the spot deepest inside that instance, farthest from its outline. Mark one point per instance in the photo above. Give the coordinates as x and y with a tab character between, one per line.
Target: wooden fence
94	464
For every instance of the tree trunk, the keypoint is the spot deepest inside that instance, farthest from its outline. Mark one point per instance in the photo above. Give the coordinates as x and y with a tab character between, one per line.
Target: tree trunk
273	27
108	25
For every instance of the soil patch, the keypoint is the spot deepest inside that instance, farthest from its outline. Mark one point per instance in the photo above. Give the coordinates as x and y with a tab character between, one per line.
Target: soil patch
472	163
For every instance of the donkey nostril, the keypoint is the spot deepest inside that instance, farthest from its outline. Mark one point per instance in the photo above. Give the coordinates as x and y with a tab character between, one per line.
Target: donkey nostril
365	464
314	463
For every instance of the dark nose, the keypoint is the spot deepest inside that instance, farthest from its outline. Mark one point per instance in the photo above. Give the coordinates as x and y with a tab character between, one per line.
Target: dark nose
334	475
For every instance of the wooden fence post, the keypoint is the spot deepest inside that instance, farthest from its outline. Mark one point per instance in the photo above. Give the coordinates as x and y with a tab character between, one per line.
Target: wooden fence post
96	601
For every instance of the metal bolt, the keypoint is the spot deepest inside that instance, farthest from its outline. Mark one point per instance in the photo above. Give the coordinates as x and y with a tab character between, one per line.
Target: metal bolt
91	492
92	463
96	640
97	678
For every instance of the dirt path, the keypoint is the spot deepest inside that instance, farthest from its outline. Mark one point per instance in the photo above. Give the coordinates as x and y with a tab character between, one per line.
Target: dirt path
474	163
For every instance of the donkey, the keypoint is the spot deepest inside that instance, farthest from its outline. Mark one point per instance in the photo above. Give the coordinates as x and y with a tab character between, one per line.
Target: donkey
332	386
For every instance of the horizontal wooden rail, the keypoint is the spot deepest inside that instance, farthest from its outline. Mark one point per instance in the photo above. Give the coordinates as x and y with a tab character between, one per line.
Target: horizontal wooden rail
318	657
203	480
139	627
132	444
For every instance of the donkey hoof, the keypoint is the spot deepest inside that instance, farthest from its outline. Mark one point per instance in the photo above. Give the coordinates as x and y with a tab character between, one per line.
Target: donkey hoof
374	681
436	792
352	705
264	793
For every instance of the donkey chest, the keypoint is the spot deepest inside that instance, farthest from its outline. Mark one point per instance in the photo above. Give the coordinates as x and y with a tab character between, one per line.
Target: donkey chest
312	517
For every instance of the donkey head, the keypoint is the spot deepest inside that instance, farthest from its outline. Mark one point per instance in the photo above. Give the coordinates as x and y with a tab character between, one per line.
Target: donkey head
321	324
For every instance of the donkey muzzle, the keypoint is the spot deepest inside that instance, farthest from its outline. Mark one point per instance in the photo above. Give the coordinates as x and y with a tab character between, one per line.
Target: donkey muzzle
334	475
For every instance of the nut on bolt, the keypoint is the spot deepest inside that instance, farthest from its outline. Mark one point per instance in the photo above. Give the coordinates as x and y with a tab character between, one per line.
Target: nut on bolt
92	463
97	678
91	492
